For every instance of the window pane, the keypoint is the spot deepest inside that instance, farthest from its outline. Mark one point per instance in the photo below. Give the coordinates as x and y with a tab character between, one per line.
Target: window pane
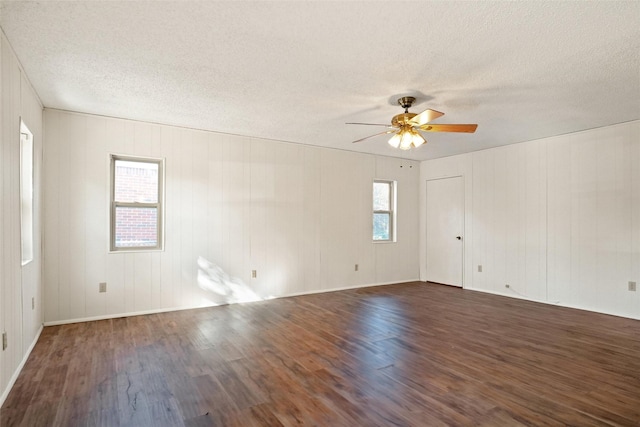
381	196
26	193
136	182
381	226
136	227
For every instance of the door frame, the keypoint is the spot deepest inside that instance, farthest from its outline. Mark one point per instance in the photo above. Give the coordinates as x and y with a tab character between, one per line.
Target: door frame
464	224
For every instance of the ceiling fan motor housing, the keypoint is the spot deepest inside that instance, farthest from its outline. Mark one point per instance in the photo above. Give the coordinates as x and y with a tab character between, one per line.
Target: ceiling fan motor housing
402	119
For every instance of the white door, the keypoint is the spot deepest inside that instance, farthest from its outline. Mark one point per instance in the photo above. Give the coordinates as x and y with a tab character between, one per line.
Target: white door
445	226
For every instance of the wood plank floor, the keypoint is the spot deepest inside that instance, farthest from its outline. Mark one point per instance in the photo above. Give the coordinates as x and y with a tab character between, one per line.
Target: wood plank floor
401	355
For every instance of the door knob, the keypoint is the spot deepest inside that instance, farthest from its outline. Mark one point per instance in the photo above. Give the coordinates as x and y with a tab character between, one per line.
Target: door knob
459	237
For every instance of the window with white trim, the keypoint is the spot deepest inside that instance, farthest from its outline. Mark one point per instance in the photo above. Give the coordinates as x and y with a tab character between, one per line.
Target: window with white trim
136	203
26	193
384	203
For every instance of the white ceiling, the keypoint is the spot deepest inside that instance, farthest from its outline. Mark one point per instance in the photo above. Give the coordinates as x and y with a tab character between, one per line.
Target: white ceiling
297	71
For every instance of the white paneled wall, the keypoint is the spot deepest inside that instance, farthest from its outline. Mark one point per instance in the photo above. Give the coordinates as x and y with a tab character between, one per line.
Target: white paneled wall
347	241
594	227
557	219
18	284
387	264
298	215
509	220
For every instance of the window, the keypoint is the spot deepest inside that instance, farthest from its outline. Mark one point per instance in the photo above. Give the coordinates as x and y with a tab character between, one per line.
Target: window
136	203
384	201
26	193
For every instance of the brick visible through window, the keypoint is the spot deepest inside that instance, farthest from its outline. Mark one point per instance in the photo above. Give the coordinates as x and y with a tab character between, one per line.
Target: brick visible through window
136	203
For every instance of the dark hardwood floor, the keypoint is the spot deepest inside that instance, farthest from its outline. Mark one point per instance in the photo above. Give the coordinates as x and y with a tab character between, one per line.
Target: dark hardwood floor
402	355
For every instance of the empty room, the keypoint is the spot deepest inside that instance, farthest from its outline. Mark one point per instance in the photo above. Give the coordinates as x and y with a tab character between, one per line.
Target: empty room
319	213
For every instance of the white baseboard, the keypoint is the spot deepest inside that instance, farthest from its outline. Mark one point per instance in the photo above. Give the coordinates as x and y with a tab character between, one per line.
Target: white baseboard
556	303
346	288
15	375
319	291
127	314
165	310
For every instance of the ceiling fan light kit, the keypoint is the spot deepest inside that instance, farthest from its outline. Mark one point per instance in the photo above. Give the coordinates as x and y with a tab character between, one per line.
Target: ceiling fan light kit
405	126
406	139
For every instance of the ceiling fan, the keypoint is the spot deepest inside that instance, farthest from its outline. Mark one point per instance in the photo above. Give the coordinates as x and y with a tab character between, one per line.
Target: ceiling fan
406	127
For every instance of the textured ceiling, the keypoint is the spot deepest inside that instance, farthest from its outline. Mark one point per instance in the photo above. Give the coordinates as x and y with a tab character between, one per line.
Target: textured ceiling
297	71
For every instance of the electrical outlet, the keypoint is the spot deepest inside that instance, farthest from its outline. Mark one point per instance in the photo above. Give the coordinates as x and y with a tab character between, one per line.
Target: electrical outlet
356	267
479	269
33	303
4	341
103	287
632	286
254	273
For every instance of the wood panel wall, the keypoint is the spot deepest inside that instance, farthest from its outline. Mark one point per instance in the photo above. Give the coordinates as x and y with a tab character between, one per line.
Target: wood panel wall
509	220
298	215
18	284
556	219
594	219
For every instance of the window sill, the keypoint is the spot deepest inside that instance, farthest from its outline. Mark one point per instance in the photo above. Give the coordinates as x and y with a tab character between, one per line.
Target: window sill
129	251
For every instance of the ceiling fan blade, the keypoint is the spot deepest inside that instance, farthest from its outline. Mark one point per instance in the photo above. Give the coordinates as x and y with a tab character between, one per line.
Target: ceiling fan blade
425	117
369	124
377	134
448	128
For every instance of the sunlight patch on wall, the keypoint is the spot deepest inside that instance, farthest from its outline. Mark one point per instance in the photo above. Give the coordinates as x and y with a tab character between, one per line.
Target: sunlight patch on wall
223	288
